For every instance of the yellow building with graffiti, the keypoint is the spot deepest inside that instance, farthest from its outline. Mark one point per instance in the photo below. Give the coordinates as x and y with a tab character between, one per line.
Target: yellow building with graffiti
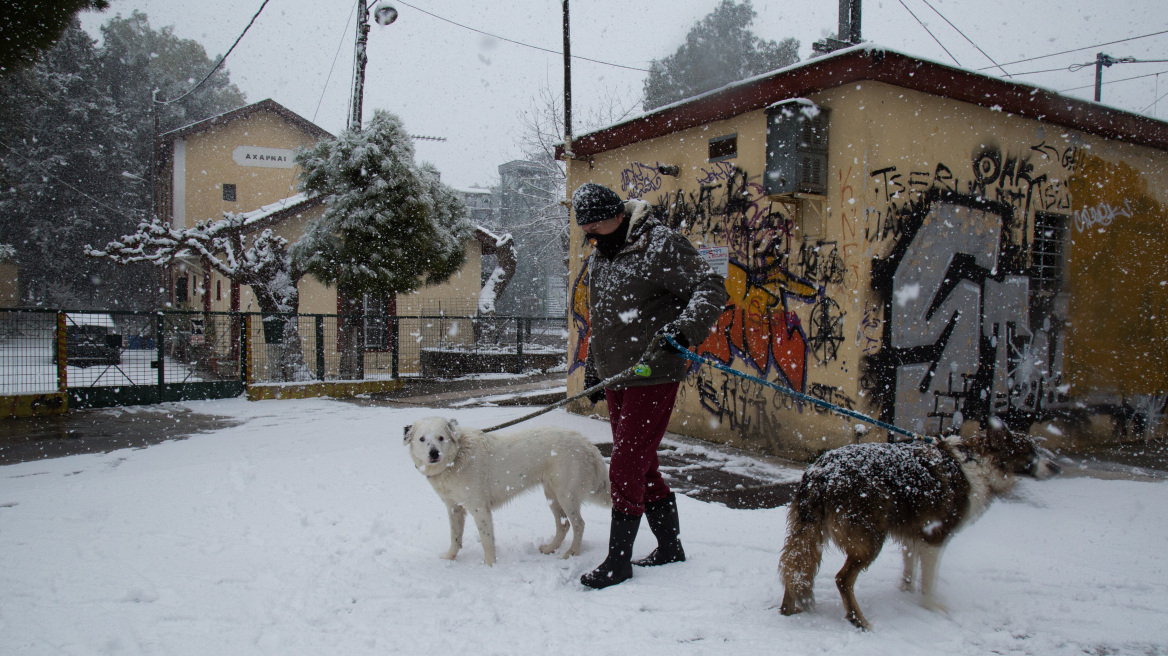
916	242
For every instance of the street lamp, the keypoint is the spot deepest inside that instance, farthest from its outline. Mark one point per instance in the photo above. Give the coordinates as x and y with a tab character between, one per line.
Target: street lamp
384	14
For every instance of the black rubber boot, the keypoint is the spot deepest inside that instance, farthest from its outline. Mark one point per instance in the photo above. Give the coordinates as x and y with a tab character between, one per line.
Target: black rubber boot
618	567
662	516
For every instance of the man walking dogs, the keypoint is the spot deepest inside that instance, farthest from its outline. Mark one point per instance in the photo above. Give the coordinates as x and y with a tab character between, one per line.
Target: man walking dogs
645	282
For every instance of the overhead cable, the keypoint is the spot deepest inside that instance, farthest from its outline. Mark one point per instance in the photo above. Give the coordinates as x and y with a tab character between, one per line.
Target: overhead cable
910	11
520	43
965	37
334	64
221	59
1064	52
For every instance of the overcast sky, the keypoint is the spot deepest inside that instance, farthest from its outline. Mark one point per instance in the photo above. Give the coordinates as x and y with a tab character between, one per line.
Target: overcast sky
448	81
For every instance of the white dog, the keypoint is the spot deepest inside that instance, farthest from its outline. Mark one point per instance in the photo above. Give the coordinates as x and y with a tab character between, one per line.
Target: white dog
478	472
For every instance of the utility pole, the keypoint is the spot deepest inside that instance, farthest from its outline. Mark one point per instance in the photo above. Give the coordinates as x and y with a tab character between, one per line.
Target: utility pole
359	60
567	83
1101	60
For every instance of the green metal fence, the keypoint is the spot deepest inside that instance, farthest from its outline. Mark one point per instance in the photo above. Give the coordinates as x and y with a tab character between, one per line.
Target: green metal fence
110	357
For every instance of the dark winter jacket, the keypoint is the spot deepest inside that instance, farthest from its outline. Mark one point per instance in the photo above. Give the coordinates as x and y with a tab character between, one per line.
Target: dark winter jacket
657	279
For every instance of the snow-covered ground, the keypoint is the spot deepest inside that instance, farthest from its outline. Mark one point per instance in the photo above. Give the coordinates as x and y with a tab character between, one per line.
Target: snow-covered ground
306	530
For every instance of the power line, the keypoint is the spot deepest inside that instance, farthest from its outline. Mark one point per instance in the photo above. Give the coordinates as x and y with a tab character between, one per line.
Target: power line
910	12
334	64
1052	70
1064	52
1157	100
221	59
965	37
1126	79
520	43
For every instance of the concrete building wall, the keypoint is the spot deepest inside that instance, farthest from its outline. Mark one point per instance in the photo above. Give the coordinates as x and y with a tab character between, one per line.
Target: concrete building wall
254	154
963	262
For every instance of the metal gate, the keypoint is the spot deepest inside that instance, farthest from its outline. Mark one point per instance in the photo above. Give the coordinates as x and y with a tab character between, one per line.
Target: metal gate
134	358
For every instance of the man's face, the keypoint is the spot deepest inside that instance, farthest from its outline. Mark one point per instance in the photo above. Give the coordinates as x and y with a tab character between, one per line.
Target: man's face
606	227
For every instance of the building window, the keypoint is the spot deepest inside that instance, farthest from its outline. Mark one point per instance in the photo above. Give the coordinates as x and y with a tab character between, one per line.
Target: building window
724	147
1046	257
180	290
218	290
229	192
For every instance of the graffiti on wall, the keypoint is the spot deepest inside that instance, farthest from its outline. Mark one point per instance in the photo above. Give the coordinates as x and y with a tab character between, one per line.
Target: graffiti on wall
639	179
760	326
964	336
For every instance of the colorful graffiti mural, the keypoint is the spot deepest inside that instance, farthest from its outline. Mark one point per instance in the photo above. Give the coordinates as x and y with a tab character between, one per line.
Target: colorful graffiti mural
972	309
757	327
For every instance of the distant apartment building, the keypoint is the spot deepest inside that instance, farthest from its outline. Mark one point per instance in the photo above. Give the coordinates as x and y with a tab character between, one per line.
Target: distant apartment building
529	196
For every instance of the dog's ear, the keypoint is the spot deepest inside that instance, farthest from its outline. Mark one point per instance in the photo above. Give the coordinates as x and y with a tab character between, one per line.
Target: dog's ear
452	428
406	430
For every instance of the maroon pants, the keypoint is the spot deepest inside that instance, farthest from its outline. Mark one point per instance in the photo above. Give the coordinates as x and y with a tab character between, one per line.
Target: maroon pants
639	416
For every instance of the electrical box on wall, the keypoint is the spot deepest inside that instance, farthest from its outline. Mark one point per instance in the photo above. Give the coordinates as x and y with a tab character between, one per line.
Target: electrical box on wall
796	160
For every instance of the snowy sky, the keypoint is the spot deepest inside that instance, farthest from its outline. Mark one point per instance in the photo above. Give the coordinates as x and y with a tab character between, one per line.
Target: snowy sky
447	81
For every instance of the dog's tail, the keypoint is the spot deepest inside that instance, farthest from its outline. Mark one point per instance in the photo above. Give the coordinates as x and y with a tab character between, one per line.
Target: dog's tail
803	551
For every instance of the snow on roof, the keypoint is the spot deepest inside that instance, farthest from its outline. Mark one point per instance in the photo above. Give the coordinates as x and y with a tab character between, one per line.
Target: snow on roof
276	211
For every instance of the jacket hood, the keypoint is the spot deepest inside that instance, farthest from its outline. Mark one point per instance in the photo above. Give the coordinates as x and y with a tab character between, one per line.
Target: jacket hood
638	212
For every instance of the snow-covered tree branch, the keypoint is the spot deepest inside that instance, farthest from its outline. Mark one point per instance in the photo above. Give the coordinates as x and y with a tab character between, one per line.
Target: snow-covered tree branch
229	247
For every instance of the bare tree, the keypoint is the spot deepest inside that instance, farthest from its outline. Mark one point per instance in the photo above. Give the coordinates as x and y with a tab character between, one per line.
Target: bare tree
533	203
232	248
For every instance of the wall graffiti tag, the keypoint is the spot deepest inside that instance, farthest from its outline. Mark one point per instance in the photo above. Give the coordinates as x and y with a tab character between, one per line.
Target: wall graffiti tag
958	341
638	180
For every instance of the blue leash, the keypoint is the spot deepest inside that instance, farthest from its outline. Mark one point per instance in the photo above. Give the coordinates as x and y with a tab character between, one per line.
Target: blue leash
694	357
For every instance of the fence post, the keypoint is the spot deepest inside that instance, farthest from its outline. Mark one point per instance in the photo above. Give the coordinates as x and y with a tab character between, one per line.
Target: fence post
518	345
62	369
393	346
319	321
161	348
245	352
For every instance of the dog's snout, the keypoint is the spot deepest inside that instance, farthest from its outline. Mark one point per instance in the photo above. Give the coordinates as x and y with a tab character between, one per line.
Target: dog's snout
434	454
1042	468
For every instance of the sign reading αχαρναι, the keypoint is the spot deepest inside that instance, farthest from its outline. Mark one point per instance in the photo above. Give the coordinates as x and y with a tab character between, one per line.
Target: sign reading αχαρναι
271	158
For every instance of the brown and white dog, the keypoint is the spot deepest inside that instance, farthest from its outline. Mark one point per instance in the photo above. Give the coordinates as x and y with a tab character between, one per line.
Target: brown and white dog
919	493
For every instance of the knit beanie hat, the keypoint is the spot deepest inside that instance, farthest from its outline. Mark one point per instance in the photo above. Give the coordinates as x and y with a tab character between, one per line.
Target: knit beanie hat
594	202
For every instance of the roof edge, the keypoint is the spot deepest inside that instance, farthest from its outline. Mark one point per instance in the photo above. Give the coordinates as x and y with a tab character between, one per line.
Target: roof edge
879	65
266	104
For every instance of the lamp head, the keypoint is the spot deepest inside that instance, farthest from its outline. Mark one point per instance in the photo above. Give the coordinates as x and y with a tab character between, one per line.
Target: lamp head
384	13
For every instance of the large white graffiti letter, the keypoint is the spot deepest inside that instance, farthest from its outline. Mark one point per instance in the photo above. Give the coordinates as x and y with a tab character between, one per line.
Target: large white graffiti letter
937	308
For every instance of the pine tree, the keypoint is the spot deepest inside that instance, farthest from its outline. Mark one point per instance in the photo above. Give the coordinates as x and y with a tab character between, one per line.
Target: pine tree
390	227
68	177
76	130
29	27
137	59
718	50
